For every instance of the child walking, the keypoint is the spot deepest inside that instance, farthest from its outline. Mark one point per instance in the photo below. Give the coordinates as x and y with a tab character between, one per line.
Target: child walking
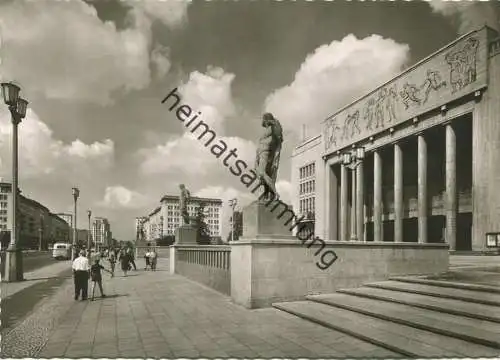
96	277
112	262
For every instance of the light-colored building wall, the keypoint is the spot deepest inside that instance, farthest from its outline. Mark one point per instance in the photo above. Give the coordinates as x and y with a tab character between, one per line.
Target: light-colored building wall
173	218
486	150
306	156
101	231
165	219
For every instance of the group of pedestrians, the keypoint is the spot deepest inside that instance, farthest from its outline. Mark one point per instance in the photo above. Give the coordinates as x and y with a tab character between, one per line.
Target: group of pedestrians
81	272
151	258
87	267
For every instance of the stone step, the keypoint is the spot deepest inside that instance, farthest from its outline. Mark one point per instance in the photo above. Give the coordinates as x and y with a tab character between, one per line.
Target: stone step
398	338
450	306
442	292
449	284
467	329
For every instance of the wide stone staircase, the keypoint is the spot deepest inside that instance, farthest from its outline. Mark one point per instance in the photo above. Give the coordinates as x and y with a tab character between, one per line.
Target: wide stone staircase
412	316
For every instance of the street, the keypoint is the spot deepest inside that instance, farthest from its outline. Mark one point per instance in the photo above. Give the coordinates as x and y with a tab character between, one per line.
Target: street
32	260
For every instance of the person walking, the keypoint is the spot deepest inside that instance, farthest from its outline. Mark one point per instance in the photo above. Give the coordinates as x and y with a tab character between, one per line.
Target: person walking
147	258
153	256
96	277
124	261
81	269
131	256
112	262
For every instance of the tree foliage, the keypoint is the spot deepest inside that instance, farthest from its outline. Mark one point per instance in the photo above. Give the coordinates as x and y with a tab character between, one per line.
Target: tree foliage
238	226
166	240
202	229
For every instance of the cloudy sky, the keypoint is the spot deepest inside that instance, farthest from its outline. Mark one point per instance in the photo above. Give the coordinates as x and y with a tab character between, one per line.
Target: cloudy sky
95	73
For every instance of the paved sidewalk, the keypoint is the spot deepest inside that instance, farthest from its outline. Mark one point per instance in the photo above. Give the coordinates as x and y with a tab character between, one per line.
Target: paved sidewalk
155	314
34	277
466	261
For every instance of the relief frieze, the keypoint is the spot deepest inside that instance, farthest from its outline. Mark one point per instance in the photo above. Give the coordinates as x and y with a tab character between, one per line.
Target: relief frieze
451	73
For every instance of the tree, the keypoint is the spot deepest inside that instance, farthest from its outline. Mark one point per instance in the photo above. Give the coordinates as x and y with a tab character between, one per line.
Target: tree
238	226
166	240
203	231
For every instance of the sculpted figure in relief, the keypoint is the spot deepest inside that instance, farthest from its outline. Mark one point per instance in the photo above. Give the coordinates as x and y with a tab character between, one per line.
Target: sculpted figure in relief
331	132
410	95
463	65
432	82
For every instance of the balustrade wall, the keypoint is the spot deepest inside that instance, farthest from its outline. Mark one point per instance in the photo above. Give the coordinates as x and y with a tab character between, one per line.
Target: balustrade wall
206	264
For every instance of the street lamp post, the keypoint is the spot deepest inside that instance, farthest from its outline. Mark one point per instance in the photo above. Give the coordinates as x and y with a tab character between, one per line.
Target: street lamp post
232	203
17	107
76	194
89	237
161	228
352	160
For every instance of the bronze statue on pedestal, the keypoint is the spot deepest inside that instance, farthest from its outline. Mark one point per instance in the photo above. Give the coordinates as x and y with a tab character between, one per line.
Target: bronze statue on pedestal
183	203
268	154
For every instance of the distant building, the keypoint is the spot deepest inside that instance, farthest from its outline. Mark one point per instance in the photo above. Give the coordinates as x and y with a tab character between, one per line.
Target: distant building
67	217
82	236
140	235
101	231
37	226
166	218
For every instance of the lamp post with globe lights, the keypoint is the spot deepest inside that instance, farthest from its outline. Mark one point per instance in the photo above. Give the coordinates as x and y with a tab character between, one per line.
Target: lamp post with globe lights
17	107
353	160
76	194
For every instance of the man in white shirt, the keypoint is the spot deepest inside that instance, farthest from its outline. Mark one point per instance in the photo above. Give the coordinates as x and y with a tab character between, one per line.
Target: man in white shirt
81	268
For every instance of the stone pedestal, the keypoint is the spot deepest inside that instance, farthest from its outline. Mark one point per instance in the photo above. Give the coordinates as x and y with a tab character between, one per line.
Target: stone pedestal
185	234
13	265
267	219
267	271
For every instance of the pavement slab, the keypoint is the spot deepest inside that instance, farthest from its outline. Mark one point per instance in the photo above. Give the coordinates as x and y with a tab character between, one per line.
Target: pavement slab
156	314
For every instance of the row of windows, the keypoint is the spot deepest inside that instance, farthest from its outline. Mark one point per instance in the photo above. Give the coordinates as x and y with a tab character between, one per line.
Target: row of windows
3	227
192	208
3	211
4	190
3	197
307	171
3	205
177	213
307	205
3	218
307	187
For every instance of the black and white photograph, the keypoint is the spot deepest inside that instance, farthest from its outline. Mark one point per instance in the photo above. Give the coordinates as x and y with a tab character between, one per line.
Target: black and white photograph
249	179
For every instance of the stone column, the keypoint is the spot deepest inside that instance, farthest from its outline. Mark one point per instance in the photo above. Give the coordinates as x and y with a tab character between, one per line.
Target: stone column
422	189
353	206
451	187
398	193
343	202
331	219
360	203
377	196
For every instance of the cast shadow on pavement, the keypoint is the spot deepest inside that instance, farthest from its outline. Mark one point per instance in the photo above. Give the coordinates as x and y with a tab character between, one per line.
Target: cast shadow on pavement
49	277
114	296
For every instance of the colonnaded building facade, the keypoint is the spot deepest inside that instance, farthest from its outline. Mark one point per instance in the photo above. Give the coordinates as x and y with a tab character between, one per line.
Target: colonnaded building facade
415	160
